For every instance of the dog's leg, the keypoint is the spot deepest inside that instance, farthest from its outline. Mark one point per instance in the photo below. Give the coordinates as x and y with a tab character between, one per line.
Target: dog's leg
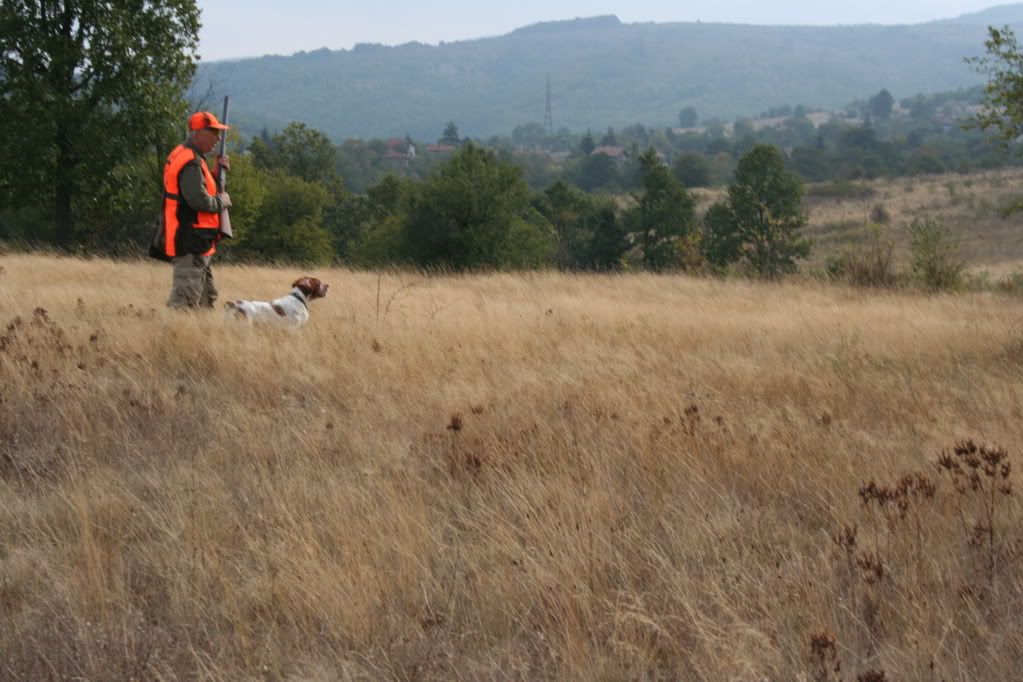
232	308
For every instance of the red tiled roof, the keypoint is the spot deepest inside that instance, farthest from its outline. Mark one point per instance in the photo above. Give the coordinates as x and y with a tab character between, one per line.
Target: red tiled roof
613	152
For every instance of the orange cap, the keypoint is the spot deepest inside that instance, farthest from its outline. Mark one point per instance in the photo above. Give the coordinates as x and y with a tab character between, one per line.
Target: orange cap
204	119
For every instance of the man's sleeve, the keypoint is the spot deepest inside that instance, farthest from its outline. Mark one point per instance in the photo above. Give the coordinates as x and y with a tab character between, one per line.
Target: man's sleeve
193	189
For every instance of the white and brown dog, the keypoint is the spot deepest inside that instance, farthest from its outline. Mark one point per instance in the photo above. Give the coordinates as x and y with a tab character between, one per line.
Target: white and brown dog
291	310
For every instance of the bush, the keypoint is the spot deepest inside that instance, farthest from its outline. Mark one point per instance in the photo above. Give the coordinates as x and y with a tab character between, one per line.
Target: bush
379	243
870	266
289	225
1009	205
935	264
1011	284
692	170
880	215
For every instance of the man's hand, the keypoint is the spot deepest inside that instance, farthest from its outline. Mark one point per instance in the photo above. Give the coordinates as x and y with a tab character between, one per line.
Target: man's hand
225	200
222	161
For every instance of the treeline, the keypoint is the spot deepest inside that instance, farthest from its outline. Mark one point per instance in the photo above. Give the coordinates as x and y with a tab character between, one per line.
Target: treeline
619	199
874	137
475	210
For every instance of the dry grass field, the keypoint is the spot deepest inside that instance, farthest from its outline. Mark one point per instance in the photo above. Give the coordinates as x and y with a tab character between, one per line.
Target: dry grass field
534	477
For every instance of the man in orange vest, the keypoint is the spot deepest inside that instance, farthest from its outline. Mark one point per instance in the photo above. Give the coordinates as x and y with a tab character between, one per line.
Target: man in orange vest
192	204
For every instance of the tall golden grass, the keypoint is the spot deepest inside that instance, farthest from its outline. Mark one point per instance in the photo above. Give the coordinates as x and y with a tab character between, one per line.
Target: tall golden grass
507	476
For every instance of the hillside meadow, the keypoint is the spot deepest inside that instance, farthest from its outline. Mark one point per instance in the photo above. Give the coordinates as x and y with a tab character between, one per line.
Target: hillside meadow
981	211
975	207
507	476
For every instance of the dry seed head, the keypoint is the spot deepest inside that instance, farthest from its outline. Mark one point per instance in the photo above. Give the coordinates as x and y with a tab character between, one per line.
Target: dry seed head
823	645
846	538
872	676
872	567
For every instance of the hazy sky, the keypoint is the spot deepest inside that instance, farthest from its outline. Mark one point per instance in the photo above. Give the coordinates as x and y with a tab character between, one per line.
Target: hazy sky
247	28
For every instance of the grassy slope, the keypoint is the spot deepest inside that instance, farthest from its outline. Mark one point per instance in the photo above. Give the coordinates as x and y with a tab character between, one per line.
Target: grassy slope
969	205
504	476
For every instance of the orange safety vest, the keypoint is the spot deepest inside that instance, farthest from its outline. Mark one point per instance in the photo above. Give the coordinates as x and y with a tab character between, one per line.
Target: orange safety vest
187	231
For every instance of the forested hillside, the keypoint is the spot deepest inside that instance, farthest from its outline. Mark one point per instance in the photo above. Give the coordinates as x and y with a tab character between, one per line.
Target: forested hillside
603	72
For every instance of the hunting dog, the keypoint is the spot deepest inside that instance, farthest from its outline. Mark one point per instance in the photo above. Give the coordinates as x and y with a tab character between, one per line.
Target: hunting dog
291	310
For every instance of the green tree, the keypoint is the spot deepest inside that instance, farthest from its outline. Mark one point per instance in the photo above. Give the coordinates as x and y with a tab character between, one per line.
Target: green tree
289	225
923	161
920	106
475	212
758	224
1002	108
373	229
307	154
590	236
608	237
597	171
609	139
84	84
450	135
880	105
298	150
587	145
248	187
687	118
692	170
722	241
564	206
663	218
812	163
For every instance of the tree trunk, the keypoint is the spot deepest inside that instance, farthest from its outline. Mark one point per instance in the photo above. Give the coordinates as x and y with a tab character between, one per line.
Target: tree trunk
64	191
67	57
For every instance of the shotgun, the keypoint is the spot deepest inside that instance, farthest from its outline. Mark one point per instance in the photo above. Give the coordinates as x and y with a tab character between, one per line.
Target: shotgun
225	218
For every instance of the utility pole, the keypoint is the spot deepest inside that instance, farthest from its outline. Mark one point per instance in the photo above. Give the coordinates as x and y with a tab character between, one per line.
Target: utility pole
548	120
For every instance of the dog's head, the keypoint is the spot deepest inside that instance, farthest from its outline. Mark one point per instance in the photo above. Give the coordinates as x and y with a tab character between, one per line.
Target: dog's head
311	287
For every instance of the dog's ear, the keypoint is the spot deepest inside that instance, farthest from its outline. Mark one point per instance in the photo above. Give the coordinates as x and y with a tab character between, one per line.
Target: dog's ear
311	287
315	288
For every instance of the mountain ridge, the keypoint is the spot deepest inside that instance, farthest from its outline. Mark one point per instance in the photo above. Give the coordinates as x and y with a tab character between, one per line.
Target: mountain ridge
604	73
997	15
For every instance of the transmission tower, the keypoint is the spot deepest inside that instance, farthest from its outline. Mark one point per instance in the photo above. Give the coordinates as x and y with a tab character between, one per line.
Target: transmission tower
548	120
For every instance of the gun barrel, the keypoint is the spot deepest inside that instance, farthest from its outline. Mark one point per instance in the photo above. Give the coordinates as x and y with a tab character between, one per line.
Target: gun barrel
222	149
